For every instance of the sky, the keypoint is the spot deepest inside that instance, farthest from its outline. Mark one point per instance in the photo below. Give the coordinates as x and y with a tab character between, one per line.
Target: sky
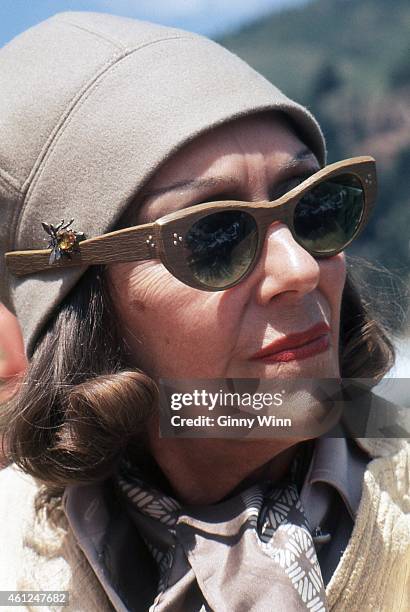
209	17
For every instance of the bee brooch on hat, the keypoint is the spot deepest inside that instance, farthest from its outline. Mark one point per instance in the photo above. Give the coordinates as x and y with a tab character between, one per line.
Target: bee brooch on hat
63	241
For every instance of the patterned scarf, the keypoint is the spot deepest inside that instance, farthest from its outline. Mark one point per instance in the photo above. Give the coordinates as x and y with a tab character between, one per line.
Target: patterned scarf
253	551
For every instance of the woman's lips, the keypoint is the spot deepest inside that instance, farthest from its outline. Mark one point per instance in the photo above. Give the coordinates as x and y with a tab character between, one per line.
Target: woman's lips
315	347
296	346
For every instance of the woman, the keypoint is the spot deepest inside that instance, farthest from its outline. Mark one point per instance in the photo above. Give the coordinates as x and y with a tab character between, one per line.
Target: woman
12	359
133	122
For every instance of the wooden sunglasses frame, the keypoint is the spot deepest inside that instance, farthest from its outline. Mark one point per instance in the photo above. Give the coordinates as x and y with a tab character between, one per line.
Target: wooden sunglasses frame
164	238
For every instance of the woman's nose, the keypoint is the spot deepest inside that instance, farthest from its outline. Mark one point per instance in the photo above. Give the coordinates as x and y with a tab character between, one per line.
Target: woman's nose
284	266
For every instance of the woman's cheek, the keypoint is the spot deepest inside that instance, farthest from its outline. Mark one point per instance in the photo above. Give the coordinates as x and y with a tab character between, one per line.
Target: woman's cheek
171	327
335	268
333	277
332	281
195	343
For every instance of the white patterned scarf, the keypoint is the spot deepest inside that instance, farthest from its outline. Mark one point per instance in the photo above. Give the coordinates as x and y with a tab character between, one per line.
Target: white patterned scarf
253	551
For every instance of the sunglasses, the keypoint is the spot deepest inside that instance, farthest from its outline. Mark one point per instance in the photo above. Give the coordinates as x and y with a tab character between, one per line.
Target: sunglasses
214	246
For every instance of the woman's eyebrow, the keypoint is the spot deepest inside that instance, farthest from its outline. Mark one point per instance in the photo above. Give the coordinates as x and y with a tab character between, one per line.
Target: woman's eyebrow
216	181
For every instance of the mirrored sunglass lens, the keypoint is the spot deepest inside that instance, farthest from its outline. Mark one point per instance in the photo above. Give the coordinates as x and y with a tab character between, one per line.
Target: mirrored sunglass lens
327	217
221	247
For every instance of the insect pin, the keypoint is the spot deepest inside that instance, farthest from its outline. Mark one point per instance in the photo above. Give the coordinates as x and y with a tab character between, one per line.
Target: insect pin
63	241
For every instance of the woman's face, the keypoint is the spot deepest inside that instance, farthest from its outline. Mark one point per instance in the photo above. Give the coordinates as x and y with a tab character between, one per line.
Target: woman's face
175	331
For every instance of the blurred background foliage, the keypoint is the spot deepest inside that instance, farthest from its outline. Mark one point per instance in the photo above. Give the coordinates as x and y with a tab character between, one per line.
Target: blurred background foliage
348	61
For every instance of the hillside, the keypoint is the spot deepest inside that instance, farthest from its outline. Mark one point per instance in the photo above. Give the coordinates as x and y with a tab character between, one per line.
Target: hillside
349	62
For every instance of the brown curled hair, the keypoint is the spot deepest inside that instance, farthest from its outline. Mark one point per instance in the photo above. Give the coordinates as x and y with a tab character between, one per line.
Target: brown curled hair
82	407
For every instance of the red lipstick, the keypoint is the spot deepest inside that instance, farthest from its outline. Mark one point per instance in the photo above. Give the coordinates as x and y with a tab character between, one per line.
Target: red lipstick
296	346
